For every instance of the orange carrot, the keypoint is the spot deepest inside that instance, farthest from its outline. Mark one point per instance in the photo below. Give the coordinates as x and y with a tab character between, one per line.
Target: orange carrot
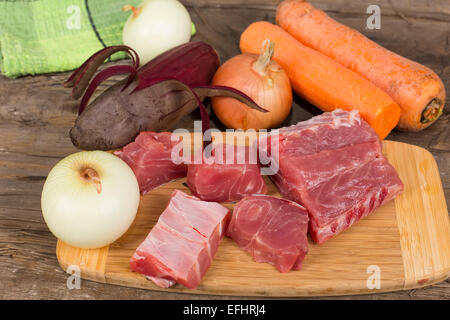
321	80
417	90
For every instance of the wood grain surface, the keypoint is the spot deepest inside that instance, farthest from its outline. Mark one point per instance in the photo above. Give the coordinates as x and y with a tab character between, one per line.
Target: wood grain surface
36	114
407	241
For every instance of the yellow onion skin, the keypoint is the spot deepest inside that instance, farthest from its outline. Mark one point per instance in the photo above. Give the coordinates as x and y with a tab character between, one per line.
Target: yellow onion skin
271	91
74	209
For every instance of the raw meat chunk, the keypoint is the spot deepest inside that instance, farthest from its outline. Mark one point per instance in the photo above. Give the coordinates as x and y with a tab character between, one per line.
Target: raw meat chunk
272	230
182	244
333	165
149	156
220	179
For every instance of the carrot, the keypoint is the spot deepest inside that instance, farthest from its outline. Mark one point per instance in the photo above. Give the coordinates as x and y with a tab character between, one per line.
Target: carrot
418	90
321	80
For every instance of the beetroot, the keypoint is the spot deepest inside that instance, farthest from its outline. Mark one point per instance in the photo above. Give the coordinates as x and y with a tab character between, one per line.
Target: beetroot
153	97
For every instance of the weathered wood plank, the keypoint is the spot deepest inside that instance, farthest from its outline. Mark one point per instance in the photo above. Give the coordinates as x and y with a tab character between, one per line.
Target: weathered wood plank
404	9
423	41
37	112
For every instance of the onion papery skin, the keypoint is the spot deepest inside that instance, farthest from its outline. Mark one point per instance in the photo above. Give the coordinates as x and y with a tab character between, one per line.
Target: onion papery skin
272	92
74	210
160	25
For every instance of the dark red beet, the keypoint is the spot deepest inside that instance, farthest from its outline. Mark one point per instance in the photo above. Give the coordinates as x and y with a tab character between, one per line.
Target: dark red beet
153	98
193	63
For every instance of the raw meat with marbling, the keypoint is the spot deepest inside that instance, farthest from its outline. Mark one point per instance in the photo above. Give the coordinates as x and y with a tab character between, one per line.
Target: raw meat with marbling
183	243
150	158
333	165
223	179
272	230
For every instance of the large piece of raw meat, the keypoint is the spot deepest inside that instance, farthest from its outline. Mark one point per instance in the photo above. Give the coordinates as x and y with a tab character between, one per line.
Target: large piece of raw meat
333	165
182	244
272	230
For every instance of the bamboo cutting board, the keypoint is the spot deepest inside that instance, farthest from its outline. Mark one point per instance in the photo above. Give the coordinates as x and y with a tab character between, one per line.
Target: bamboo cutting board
402	245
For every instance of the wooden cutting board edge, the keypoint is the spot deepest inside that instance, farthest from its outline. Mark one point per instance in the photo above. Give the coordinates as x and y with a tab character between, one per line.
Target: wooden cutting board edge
431	240
432	236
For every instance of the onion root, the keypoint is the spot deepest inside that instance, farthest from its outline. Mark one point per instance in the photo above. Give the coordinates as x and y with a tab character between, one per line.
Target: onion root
90	175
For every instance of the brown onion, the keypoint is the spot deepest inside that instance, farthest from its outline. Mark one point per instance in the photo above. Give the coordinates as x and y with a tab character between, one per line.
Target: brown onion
261	79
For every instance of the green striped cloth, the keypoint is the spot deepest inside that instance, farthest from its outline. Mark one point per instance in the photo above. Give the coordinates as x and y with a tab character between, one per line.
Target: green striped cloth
40	36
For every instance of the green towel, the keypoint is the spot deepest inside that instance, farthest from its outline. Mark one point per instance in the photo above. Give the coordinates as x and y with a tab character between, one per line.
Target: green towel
40	36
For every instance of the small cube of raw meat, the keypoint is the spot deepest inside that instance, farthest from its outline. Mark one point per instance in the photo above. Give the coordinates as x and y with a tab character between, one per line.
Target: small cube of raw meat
150	158
272	230
183	243
224	178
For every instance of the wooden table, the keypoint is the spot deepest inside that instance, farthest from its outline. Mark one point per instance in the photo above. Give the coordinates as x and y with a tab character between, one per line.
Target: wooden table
37	112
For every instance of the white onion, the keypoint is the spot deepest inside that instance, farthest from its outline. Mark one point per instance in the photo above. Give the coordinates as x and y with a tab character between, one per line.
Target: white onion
156	26
90	199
